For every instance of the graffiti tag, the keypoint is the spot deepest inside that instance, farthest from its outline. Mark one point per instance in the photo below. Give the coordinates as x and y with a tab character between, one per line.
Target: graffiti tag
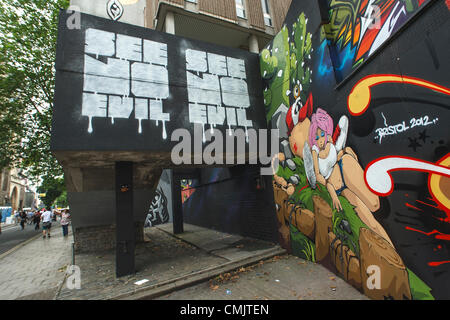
401	127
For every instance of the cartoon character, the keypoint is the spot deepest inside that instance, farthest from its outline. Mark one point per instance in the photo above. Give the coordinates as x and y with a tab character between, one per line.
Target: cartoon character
298	123
338	169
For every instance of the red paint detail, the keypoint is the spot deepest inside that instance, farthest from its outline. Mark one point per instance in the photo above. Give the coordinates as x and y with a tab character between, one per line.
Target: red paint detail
299	191
440	235
402	79
305	111
437	263
422	1
400	169
406	195
309	105
447	2
295	147
427	204
439	247
336	133
441	206
289	121
412	207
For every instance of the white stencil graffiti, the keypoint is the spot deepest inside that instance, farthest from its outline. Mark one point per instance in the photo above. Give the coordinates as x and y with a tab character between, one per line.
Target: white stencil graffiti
134	77
125	76
217	90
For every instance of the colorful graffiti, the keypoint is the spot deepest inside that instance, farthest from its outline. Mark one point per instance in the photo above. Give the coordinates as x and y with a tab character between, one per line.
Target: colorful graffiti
358	28
187	189
378	173
332	194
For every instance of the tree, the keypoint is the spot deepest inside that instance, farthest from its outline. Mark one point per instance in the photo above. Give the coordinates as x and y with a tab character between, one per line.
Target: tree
28	32
54	188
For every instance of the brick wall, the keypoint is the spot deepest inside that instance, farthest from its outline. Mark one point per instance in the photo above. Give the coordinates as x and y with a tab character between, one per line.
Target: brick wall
99	238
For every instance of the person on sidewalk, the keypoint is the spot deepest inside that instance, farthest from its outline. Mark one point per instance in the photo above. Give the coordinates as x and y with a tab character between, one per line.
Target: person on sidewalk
23	219
37	220
65	221
46	219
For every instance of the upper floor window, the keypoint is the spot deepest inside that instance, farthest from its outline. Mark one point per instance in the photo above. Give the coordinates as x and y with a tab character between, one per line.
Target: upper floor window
267	17
240	8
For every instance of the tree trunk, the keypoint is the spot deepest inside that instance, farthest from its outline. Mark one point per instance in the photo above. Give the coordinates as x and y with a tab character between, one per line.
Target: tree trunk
323	215
377	254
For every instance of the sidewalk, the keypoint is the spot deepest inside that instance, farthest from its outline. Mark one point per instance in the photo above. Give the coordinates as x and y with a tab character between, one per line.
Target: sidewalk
36	270
198	264
168	263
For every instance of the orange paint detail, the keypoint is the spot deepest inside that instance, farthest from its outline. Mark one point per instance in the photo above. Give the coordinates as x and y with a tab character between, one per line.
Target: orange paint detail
359	98
441	197
356	33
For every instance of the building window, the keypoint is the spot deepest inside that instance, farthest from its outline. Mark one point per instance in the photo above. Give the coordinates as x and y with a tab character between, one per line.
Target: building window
267	17
240	8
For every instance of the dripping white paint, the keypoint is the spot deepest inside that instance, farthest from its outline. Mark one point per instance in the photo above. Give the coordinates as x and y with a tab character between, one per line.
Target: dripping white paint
125	75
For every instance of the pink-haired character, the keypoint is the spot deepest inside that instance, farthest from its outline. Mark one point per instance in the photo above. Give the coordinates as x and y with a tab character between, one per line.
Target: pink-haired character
327	149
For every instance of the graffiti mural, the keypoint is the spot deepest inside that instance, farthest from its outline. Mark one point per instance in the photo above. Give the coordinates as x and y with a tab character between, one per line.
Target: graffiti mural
160	210
363	176
187	189
358	28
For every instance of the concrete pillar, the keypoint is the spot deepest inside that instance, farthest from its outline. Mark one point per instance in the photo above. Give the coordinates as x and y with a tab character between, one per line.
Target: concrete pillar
170	23
253	44
125	229
177	206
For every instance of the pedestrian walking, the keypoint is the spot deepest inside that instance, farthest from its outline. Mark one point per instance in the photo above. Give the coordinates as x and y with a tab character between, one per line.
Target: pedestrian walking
23	219
37	220
65	221
16	216
46	219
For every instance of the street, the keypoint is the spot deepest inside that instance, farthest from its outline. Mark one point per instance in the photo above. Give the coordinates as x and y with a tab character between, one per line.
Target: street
12	236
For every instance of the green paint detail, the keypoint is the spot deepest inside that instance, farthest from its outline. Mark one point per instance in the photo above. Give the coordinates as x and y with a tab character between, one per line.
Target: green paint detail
281	66
302	246
303	196
419	290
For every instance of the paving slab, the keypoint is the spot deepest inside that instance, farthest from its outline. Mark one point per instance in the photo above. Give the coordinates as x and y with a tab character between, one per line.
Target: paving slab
281	278
36	267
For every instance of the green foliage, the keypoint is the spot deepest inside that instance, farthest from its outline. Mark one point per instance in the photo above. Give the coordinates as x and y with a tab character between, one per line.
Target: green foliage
419	290
61	201
54	189
283	65
303	196
302	246
28	32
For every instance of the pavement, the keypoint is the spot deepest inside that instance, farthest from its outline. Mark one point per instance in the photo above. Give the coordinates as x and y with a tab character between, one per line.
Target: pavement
199	264
35	268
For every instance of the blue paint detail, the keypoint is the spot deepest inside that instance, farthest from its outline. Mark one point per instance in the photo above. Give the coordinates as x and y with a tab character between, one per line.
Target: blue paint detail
324	66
